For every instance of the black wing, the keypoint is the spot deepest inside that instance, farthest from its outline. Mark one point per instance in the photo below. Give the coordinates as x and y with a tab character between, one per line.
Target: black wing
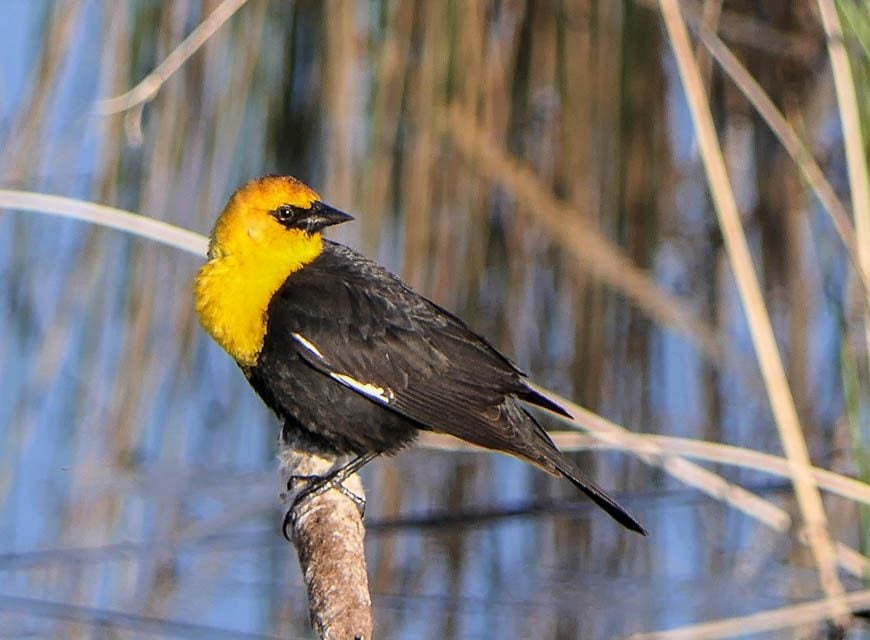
359	325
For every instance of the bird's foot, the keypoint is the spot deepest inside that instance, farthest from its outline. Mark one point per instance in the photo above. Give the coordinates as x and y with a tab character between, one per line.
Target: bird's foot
318	485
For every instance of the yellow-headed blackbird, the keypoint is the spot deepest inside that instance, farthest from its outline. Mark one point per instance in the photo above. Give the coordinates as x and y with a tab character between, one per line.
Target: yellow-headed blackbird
351	358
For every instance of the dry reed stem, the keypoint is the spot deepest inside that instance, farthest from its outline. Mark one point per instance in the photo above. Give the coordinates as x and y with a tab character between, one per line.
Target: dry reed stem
615	437
650	451
772	620
142	226
665	452
773	374
750	31
853	139
793	145
687	472
149	86
851	560
327	531
653	449
716	452
710	14
569	228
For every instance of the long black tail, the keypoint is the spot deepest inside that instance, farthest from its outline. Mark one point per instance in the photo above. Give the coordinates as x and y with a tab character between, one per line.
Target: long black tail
542	451
595	493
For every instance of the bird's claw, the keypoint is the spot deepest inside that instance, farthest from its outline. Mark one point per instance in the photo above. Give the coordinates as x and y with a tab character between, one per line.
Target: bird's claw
317	486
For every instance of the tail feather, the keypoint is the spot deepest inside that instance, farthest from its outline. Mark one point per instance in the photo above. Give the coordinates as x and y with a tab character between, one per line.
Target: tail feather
596	494
541	451
545	455
521	435
539	400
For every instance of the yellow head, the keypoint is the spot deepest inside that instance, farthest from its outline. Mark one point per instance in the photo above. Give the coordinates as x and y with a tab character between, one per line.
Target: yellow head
270	213
269	229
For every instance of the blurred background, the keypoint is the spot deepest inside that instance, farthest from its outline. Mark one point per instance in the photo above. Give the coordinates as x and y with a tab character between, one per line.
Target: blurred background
530	165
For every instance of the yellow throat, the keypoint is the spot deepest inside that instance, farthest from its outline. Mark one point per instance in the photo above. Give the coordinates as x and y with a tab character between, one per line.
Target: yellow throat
250	256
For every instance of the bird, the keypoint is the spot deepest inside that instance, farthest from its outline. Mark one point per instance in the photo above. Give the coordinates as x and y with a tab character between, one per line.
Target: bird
353	360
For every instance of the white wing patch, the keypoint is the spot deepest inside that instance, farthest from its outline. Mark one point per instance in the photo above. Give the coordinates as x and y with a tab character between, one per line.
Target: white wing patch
367	389
305	343
370	390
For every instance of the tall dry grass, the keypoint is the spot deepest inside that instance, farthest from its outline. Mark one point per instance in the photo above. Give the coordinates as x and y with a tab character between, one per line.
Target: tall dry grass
529	165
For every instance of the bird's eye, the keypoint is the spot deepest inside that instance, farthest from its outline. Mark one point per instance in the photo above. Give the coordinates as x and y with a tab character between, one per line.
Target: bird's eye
284	214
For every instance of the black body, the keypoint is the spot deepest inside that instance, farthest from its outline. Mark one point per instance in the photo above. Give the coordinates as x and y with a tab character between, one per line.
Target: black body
423	367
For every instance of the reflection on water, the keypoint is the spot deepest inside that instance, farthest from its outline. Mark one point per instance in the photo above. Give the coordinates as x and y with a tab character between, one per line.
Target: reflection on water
562	213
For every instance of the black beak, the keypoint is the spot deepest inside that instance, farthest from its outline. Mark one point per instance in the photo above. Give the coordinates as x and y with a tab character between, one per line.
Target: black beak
321	215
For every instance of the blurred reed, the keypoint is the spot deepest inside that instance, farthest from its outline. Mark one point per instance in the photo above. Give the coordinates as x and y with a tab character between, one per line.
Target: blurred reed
526	164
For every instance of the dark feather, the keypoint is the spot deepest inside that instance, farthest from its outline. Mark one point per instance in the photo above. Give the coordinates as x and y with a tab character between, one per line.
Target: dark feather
360	362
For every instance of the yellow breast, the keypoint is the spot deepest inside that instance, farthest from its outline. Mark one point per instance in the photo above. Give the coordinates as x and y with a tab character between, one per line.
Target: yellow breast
232	291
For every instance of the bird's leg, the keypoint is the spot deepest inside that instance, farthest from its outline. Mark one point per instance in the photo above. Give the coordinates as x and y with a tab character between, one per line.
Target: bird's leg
320	484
